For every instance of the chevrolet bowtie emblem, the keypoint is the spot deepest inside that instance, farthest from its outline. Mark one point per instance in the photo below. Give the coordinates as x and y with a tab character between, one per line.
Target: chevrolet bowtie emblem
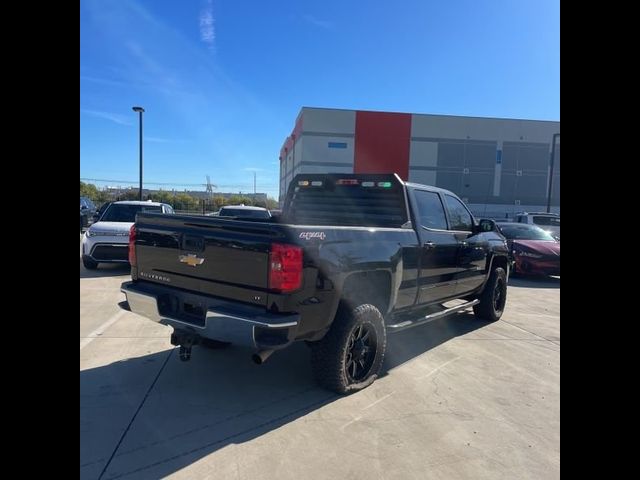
191	259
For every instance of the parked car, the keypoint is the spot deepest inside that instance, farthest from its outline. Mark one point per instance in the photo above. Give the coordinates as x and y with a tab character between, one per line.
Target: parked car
107	241
245	212
352	257
87	210
533	250
547	221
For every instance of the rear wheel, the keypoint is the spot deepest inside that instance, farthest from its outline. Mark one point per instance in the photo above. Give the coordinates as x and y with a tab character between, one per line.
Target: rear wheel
350	355
493	297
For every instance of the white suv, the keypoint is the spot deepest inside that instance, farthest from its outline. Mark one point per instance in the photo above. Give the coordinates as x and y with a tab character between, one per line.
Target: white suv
107	241
546	221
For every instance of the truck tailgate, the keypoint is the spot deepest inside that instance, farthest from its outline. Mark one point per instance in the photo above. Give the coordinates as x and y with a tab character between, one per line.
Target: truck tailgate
224	257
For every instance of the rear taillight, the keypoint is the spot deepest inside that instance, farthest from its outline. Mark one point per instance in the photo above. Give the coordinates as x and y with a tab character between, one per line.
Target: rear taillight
285	268
132	246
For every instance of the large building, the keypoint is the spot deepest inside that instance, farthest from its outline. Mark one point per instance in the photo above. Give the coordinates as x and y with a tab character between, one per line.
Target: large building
497	166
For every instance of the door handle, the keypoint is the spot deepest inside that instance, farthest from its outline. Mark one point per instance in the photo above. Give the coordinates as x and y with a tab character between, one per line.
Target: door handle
429	245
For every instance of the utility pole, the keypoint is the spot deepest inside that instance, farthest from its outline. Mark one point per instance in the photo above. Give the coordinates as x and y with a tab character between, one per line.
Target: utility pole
140	110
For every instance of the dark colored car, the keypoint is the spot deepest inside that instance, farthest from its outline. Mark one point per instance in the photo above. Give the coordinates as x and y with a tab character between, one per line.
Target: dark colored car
87	210
533	251
352	257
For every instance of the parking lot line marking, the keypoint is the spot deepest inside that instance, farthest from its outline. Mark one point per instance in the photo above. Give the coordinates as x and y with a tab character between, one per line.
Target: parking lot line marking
438	368
525	330
368	406
378	401
352	421
100	330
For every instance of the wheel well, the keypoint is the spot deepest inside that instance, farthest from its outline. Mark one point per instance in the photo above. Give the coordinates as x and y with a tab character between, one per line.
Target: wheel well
367	287
499	261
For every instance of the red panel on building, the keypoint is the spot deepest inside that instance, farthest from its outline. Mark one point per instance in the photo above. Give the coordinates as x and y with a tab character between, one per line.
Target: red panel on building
382	143
288	143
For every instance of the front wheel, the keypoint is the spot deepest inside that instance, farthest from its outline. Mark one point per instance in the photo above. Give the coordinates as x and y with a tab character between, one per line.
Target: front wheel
350	356
89	264
493	297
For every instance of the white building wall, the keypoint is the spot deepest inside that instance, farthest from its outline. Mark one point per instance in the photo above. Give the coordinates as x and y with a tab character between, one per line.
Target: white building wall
327	120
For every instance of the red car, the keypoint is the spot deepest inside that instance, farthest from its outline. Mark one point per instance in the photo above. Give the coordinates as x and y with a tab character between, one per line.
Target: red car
533	250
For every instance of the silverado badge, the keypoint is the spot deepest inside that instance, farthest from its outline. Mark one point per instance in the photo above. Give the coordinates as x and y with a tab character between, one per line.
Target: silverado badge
191	259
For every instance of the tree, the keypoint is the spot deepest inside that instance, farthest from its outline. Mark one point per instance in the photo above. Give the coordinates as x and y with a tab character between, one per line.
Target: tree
89	190
219	201
271	203
239	200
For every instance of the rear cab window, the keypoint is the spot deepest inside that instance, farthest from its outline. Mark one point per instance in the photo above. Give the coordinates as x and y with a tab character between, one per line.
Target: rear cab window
370	200
430	210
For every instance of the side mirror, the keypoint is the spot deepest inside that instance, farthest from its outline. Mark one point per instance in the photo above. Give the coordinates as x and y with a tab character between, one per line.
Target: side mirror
487	225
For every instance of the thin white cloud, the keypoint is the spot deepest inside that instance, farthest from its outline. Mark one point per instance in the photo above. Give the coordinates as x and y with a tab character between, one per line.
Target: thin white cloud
207	30
317	22
112	117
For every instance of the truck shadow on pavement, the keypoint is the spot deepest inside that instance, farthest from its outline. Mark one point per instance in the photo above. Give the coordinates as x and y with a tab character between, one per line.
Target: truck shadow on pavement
174	413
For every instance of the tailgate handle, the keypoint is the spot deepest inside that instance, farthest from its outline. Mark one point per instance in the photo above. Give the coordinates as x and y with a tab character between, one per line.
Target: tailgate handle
192	243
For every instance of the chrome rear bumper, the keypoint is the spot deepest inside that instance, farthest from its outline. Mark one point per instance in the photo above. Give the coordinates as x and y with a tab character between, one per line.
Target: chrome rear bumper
212	318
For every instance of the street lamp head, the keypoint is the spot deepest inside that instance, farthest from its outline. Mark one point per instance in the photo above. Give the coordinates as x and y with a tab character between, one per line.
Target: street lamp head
138	109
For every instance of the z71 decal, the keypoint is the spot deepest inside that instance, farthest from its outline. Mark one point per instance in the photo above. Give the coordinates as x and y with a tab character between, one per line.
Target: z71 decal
310	235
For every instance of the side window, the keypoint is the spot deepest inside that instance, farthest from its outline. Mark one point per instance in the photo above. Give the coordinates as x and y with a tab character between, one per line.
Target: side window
458	214
168	209
542	220
430	210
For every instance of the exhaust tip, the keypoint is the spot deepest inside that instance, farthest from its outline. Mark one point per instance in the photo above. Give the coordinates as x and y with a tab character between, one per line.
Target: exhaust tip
260	357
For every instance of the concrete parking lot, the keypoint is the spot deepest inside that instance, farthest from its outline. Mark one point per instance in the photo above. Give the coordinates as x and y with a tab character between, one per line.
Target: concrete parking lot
459	398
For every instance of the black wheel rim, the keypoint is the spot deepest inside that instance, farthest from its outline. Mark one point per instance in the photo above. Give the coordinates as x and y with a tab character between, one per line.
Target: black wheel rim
498	296
361	352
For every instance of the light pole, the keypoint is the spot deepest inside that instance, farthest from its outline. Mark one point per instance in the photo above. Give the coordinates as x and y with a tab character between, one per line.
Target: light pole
140	110
553	156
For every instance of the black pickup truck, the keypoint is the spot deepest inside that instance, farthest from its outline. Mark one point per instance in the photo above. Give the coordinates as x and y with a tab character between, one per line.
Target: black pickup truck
350	258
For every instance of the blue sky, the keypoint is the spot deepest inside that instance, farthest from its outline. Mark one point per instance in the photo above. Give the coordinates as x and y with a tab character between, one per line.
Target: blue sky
222	81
